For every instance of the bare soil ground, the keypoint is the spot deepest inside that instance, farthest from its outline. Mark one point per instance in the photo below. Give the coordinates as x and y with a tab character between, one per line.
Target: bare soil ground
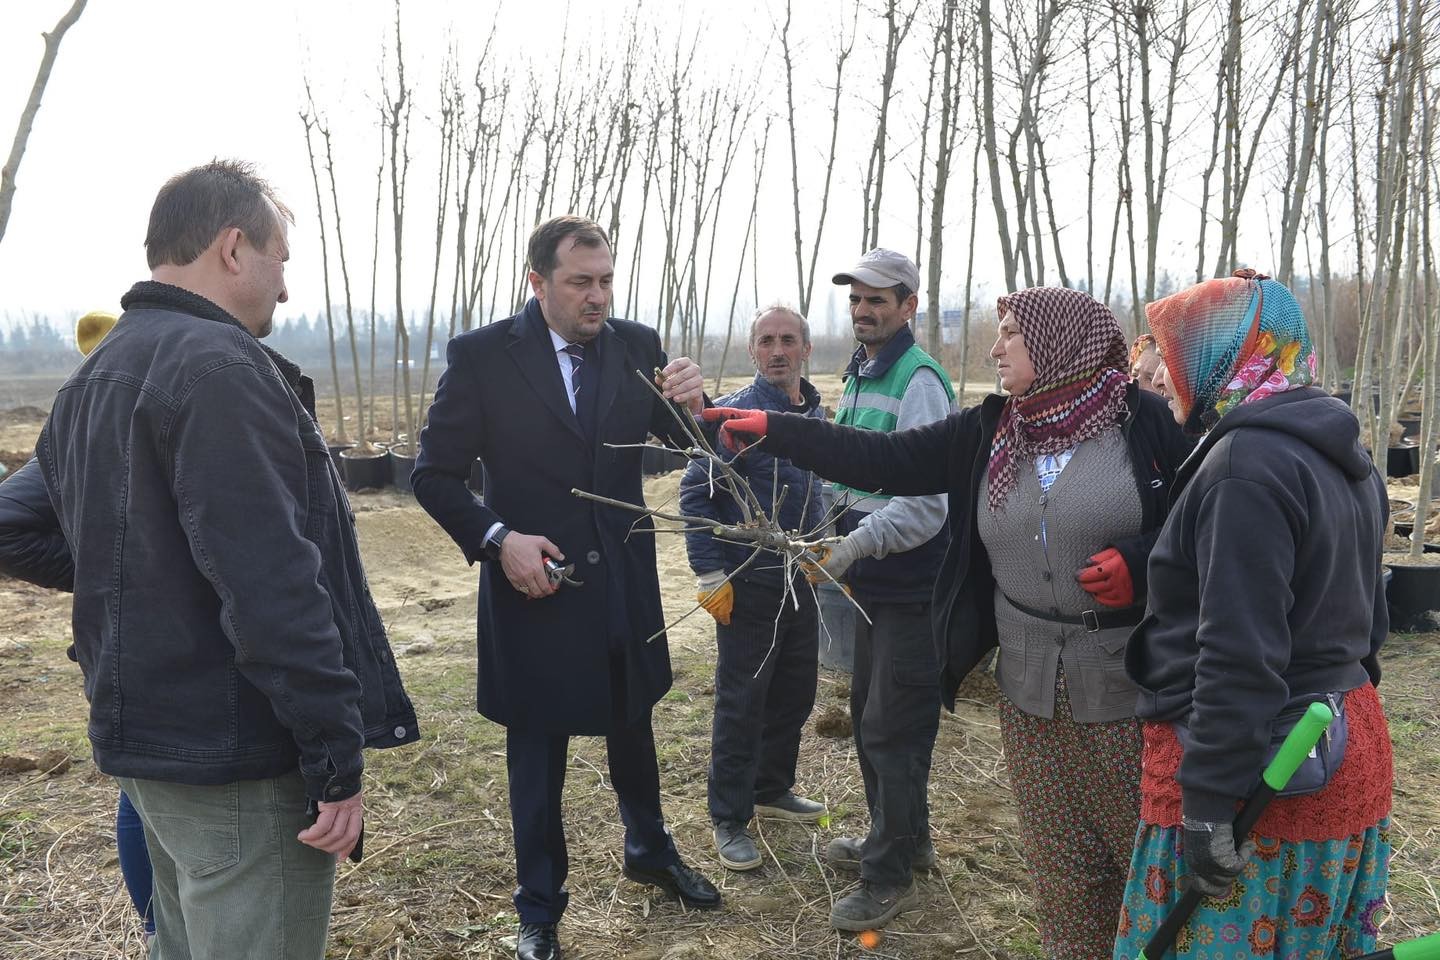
438	872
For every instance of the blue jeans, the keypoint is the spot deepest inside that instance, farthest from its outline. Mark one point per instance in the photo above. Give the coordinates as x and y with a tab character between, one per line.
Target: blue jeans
134	859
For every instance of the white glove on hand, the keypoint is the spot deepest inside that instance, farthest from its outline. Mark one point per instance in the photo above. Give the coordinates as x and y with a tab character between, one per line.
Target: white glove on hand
835	559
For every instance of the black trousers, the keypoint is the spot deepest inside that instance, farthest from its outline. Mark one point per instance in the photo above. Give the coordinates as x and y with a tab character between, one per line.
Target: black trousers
765	674
536	763
895	707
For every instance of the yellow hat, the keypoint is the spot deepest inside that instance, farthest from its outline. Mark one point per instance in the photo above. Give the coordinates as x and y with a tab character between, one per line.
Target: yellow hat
91	329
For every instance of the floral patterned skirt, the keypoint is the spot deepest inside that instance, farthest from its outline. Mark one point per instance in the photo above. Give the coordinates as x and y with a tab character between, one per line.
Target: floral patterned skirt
1312	900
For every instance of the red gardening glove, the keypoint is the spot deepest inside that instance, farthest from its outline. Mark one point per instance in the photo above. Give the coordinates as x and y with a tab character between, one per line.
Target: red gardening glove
1107	579
734	420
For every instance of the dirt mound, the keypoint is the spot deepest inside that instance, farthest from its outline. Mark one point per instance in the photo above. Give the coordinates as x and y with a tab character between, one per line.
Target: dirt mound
13	460
22	415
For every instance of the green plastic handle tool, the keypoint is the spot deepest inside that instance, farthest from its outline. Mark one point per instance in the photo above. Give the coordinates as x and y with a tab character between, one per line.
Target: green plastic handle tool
1297	746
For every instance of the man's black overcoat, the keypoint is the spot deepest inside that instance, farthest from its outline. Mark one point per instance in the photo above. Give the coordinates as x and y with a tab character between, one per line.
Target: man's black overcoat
544	664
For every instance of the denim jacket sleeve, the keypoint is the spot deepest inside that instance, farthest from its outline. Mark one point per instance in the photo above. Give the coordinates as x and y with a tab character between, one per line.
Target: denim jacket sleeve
32	545
242	486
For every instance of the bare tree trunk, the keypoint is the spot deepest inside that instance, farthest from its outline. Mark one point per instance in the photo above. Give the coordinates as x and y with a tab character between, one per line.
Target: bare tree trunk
987	101
1124	86
1086	43
1430	340
1238	170
805	282
1329	358
1316	111
970	262
361	423
448	109
32	107
308	121
397	109
739	116
897	28
1228	52
950	65
650	172
744	245
375	273
1156	168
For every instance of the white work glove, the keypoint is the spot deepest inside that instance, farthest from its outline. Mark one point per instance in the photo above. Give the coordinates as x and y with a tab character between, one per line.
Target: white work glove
835	558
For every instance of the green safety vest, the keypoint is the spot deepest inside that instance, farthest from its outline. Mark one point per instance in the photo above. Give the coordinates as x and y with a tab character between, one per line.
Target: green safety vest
873	403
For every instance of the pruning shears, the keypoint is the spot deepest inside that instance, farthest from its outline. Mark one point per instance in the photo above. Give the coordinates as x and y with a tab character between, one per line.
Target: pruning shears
561	574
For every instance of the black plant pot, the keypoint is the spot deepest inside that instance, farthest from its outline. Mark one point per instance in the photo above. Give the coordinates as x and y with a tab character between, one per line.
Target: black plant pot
402	463
336	449
369	471
837	628
1402	461
655	459
1410	426
1413	595
476	483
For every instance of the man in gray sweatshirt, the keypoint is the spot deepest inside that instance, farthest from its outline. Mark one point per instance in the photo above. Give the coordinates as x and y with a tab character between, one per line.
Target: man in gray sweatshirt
888	559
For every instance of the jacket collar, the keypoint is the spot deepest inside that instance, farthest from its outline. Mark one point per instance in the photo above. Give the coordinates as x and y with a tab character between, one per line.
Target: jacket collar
154	295
772	394
869	369
534	352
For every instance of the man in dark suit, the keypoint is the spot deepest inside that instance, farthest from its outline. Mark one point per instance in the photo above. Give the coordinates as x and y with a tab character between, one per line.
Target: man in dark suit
536	398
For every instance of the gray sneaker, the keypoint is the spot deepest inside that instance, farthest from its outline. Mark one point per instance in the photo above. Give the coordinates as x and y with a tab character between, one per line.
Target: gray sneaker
787	806
845	853
736	849
872	906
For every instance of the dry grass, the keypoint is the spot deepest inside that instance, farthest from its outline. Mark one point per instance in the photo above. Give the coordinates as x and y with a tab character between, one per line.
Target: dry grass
438	875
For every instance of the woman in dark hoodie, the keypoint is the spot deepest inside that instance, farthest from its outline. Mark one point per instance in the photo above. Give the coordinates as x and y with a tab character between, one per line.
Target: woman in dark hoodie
1265	595
1056	493
33	548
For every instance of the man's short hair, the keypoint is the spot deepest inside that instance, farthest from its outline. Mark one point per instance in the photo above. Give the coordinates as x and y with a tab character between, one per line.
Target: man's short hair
545	240
902	293
781	307
193	207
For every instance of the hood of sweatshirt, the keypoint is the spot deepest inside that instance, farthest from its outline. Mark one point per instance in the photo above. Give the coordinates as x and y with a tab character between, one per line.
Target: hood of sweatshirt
1323	422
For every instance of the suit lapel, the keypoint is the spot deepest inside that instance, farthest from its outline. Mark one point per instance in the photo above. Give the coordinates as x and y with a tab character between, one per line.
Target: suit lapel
534	354
614	368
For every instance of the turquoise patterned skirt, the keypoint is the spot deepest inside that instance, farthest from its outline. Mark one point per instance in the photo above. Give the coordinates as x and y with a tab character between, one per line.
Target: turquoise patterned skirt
1315	900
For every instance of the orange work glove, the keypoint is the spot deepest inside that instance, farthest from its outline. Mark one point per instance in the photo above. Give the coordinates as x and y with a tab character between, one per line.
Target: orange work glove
736	421
716	595
1106	577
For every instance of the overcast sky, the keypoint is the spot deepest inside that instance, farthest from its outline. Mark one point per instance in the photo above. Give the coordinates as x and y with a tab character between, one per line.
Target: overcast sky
143	90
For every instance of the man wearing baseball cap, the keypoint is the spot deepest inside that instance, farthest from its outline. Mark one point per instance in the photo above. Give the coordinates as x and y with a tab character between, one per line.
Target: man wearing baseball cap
889	556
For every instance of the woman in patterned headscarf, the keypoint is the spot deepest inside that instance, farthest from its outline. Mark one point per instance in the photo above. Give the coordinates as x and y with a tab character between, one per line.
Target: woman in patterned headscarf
1057	489
1265	595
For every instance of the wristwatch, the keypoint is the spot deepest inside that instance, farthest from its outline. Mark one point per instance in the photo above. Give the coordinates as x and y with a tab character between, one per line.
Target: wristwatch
492	546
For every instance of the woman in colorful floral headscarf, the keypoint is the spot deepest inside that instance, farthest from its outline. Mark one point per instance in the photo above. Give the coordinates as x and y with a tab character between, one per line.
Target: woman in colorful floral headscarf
1057	489
1265	595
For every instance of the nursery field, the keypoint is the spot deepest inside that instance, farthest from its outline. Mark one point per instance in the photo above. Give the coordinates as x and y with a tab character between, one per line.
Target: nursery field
438	873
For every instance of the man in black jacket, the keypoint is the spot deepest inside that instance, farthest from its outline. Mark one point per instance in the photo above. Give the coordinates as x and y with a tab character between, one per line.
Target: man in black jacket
234	661
549	401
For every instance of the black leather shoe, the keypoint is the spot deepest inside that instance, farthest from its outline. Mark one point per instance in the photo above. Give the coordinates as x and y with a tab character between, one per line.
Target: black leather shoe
538	941
693	890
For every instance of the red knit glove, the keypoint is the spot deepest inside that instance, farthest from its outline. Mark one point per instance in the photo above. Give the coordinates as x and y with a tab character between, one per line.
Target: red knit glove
1107	579
734	420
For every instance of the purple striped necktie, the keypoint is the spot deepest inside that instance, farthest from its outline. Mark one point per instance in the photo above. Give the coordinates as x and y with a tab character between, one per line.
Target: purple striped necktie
577	362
